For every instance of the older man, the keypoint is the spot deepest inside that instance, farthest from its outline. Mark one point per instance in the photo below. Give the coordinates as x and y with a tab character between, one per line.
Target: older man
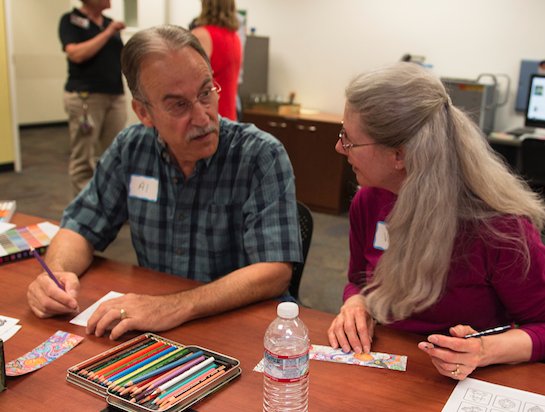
206	198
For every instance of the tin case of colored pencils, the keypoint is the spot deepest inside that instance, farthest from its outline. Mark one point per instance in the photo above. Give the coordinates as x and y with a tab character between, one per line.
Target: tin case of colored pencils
81	375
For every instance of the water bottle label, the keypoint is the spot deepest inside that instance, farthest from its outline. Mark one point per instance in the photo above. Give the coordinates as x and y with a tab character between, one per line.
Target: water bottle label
282	368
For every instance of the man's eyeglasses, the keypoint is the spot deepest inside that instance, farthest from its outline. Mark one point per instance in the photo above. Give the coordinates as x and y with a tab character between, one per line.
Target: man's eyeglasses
180	106
347	144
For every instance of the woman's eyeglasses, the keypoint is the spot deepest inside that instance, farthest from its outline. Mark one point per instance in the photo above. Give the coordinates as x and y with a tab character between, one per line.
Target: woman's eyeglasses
347	144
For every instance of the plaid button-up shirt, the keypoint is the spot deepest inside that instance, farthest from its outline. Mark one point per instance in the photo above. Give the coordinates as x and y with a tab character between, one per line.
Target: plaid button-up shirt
236	209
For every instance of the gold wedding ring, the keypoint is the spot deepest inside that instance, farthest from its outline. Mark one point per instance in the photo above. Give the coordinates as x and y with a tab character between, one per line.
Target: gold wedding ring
122	314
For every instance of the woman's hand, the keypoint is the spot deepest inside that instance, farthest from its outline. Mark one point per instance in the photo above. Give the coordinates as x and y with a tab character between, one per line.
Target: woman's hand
353	327
454	356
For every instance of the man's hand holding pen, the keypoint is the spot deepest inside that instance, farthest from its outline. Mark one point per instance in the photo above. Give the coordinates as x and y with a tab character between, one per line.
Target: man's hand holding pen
47	299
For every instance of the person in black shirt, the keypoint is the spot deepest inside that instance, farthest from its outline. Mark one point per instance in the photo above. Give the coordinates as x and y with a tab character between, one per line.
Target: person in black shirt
93	99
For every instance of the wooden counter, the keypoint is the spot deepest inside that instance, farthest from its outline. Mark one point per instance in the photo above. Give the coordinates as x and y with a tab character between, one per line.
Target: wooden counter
324	179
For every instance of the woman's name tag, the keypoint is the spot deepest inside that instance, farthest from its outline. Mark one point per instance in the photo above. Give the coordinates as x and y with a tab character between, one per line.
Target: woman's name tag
382	240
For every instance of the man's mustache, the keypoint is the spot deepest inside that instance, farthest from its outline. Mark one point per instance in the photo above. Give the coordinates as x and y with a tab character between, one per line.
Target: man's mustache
200	131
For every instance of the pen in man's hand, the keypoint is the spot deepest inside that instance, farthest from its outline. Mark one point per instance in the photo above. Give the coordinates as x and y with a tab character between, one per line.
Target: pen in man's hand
488	331
46	268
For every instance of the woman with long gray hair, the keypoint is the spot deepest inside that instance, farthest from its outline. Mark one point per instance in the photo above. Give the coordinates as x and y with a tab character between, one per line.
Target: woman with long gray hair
444	240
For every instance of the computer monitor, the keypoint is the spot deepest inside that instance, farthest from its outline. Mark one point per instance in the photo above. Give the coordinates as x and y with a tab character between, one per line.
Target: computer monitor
535	109
527	68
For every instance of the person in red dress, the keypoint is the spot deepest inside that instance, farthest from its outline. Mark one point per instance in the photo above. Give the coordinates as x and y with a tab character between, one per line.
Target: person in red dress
217	32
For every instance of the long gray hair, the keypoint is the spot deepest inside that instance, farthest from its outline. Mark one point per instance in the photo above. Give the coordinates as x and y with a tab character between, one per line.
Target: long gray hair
453	179
154	40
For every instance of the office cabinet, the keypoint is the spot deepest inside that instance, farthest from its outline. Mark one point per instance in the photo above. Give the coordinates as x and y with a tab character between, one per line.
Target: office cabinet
323	178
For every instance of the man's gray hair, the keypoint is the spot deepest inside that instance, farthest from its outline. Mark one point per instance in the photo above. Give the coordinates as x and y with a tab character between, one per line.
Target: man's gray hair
154	40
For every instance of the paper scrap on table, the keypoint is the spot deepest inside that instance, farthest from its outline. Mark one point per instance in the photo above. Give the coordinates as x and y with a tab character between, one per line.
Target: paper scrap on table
479	396
84	316
8	327
53	348
372	359
10	332
4	227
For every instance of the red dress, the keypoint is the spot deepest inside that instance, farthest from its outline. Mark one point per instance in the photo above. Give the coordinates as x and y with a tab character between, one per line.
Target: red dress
225	60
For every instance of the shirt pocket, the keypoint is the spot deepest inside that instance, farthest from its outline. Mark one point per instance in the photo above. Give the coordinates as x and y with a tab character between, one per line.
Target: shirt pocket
219	231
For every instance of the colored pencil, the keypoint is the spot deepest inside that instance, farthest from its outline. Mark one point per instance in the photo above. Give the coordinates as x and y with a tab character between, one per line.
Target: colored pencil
164	387
45	267
118	381
125	359
166	377
181	390
167	360
131	363
161	396
129	373
172	365
167	405
110	354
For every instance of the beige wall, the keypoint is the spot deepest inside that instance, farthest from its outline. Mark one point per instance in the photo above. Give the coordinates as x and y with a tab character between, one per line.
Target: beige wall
317	40
7	147
40	66
317	46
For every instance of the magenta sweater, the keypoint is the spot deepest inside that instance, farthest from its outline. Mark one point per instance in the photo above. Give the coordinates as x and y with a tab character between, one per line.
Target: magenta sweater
486	285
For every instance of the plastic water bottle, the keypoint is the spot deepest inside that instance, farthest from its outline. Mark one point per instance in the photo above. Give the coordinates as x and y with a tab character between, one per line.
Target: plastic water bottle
286	362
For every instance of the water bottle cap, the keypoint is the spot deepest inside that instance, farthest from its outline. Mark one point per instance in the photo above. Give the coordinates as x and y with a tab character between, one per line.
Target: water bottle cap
287	310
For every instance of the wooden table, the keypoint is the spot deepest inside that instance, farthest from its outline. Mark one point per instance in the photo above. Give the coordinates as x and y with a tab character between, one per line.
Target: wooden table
239	333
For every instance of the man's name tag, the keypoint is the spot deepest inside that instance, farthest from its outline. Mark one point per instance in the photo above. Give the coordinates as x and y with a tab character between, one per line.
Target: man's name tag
382	240
79	21
144	187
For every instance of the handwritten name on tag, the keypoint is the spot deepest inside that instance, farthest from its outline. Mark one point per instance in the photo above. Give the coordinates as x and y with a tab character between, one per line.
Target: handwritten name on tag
144	187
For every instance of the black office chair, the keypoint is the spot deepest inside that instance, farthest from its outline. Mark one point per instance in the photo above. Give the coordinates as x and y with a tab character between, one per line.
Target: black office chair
533	162
306	226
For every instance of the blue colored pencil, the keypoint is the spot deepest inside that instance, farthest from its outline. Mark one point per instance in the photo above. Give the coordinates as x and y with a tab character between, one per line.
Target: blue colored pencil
166	368
139	365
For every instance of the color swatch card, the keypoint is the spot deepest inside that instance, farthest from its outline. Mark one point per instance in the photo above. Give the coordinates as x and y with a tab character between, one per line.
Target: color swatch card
7	209
478	396
16	243
53	348
4	227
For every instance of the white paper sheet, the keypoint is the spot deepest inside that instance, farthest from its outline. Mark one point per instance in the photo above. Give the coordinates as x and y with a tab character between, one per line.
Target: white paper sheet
473	395
8	327
84	316
10	332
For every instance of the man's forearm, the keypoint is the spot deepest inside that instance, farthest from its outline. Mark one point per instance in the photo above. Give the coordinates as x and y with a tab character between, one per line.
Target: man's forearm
69	252
244	286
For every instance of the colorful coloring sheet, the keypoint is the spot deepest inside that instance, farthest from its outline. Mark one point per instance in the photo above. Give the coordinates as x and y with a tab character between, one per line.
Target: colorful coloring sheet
373	359
473	395
53	348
